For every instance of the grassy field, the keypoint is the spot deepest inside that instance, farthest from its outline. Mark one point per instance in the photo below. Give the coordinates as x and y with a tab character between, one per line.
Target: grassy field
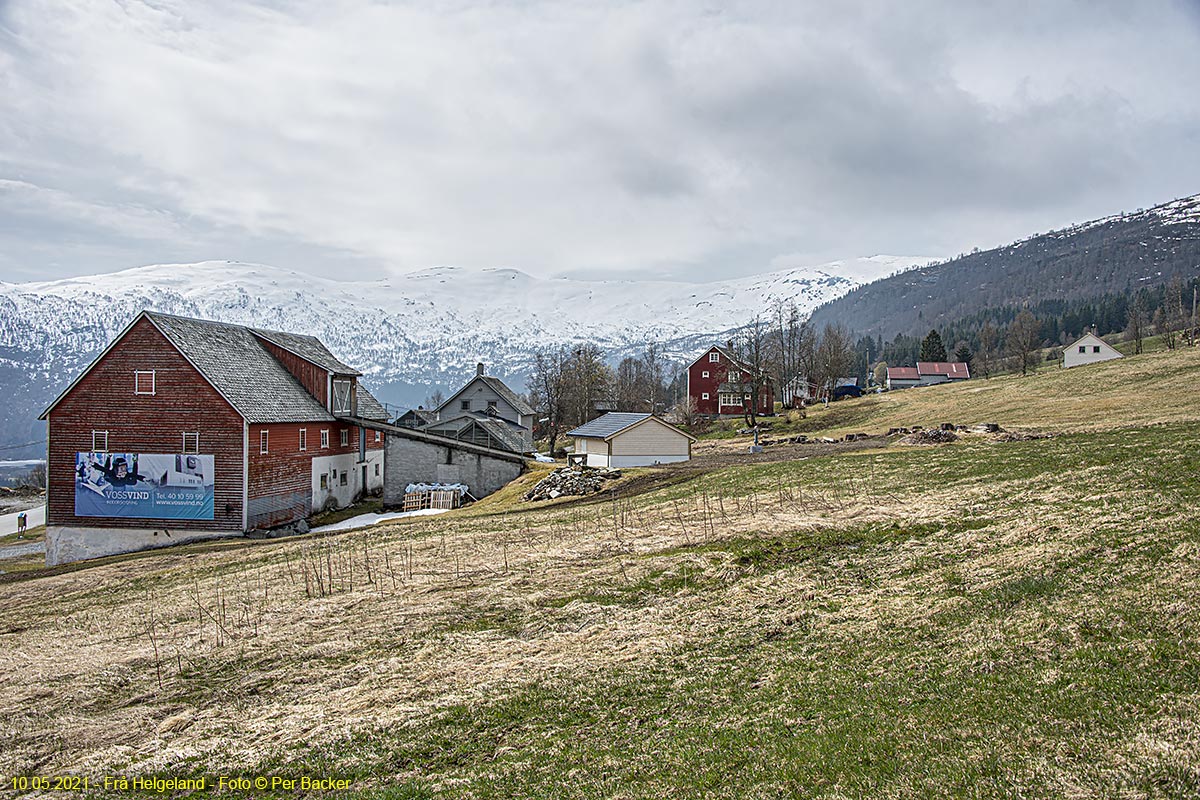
980	619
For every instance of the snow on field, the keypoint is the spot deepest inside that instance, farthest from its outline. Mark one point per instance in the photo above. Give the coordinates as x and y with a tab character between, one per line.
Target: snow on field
368	520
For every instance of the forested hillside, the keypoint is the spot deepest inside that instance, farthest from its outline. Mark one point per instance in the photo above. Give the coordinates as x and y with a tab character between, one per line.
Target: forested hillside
1090	263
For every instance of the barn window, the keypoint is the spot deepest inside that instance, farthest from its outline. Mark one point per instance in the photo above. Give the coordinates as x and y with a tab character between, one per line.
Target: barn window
734	376
324	481
704	396
143	381
714	357
342	396
324	438
704	374
99	441
377	436
343	478
191	442
345	437
262	442
304	438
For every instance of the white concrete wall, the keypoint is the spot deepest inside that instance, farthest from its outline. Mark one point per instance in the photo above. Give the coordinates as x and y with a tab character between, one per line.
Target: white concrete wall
348	463
66	544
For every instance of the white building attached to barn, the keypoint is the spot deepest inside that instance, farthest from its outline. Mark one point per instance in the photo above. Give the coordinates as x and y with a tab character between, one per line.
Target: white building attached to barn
630	440
1088	349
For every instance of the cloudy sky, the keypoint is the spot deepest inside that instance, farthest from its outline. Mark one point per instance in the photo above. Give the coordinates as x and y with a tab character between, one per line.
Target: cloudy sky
673	139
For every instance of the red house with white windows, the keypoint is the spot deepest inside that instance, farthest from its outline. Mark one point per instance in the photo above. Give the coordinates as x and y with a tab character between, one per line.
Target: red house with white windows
185	429
719	383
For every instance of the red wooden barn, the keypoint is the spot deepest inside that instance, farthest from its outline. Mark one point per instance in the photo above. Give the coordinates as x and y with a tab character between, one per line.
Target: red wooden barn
184	428
719	383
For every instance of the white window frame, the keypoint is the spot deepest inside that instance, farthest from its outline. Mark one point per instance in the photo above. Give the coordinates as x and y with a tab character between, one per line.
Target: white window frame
303	439
378	436
729	399
734	376
345	438
324	438
264	442
704	374
96	449
714	358
195	449
137	378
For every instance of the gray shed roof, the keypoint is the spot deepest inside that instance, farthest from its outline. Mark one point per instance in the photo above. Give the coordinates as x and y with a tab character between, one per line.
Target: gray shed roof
241	369
607	425
369	407
309	348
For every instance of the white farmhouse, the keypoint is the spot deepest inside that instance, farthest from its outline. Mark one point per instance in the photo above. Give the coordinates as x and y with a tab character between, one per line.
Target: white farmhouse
630	440
1088	349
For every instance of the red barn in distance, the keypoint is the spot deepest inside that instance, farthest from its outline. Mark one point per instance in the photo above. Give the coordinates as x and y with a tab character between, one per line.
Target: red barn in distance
720	384
185	428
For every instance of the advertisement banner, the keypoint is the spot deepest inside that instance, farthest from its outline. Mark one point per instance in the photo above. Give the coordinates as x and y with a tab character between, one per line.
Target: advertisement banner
144	485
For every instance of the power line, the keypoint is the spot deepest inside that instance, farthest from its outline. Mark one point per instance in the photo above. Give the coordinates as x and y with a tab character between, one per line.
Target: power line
18	446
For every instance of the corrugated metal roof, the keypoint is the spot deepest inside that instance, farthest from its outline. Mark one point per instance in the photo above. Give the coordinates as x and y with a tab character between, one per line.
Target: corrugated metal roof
953	369
241	369
607	425
307	347
903	373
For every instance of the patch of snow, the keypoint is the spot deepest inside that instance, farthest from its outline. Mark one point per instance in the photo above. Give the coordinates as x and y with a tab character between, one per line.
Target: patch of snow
369	520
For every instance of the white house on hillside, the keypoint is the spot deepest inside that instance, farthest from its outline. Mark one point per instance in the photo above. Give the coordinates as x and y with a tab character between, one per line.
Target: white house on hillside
630	440
1088	349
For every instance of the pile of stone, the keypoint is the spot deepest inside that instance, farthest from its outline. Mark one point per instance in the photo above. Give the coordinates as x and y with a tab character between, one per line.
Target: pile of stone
933	436
1022	436
574	481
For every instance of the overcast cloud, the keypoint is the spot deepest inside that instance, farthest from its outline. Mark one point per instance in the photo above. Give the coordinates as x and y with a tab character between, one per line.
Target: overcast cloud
659	138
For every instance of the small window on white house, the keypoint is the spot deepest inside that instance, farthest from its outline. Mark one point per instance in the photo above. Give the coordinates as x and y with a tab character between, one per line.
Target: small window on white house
714	357
143	381
99	441
191	442
704	396
262	442
343	478
324	438
1095	348
1083	348
345	437
704	374
304	438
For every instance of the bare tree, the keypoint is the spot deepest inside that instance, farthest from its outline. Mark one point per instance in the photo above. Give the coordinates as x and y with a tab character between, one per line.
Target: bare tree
834	357
1023	340
546	387
587	379
985	358
752	349
1137	322
435	400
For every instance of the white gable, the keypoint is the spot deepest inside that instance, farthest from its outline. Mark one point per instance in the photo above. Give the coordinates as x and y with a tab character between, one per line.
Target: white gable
1088	349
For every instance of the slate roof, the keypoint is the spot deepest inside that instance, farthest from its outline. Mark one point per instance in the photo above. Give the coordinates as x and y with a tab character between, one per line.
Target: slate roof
307	347
510	397
369	407
607	425
506	434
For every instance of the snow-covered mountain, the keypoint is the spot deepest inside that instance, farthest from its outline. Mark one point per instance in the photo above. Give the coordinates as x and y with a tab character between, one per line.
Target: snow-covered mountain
409	334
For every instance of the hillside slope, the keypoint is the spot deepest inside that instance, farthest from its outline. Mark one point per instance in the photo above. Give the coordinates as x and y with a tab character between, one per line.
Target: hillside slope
1115	254
985	619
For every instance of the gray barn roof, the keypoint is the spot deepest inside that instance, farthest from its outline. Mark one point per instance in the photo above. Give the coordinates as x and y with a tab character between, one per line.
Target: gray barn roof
309	348
369	407
241	369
